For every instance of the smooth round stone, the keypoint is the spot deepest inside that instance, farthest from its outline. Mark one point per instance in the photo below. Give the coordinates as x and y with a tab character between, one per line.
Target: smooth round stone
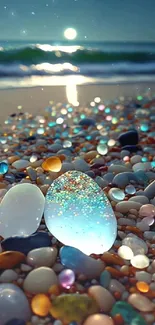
81	165
143	276
117	169
3	168
125	206
128	313
40	280
150	190
105	278
140	199
13	304
78	214
10	259
123	179
103	297
44	256
135	159
140	261
80	263
141	302
116	286
137	245
139	166
130	189
99	319
21	210
125	252
21	164
128	138
8	276
147	210
102	149
66	278
116	195
28	243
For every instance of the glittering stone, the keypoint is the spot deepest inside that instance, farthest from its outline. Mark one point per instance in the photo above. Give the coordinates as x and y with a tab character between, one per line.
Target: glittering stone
21	210
78	213
65	307
66	278
13	304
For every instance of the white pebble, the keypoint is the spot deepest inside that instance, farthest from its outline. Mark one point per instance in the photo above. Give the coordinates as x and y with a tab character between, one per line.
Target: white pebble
8	276
40	280
125	252
116	286
44	256
144	276
140	261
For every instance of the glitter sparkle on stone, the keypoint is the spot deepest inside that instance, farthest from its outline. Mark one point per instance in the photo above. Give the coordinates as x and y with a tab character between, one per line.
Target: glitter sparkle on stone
78	213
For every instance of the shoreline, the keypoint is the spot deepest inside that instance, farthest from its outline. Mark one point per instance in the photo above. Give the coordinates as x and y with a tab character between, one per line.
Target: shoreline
35	99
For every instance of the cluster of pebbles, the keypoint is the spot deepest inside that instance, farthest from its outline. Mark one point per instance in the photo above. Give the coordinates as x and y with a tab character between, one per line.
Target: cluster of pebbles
41	280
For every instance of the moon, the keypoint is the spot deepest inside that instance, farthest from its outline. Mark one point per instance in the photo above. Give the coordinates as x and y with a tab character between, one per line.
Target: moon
70	33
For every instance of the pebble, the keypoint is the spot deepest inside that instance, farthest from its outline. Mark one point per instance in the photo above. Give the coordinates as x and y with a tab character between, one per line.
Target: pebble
105	278
16	306
3	168
140	199
128	138
69	197
137	245
135	159
150	191
141	302
44	256
28	243
60	308
128	313
140	261
125	252
123	179
8	276
10	259
40	305
52	164
116	194
143	276
81	165
40	280
147	210
125	206
21	164
116	286
22	209
98	319
103	297
80	263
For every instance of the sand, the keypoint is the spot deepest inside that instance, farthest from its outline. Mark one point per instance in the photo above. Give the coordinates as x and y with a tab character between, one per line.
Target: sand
33	100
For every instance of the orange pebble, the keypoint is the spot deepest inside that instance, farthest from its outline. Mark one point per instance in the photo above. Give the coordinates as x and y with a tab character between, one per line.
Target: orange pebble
52	164
142	286
10	258
109	258
118	319
54	290
40	305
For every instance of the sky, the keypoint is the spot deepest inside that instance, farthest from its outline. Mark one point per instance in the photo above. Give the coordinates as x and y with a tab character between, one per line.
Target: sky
94	20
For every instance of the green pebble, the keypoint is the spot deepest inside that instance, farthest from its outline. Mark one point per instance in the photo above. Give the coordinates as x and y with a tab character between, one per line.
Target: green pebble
129	314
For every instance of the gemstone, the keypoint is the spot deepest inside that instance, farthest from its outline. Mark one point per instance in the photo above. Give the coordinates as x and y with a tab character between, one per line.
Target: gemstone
40	305
66	278
78	213
80	263
65	307
21	210
52	164
3	168
11	297
102	149
128	313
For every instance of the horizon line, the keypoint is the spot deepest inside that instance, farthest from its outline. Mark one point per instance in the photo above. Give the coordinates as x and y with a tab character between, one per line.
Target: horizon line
76	41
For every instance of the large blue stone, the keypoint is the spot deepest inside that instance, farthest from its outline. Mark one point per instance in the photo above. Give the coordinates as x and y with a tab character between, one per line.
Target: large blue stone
78	213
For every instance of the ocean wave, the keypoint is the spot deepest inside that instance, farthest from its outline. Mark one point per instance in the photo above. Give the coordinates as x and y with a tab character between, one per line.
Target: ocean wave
92	70
37	54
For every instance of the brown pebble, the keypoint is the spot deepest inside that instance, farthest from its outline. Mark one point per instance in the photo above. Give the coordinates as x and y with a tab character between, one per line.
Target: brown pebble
109	259
10	258
115	273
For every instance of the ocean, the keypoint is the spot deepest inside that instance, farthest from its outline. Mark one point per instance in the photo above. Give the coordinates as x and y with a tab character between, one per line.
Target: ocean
25	64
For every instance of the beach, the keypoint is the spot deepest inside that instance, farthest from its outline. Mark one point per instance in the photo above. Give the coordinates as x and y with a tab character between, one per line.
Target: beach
34	99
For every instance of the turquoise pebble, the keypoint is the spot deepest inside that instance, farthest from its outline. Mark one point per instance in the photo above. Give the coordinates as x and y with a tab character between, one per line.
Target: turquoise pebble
129	314
105	278
3	168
